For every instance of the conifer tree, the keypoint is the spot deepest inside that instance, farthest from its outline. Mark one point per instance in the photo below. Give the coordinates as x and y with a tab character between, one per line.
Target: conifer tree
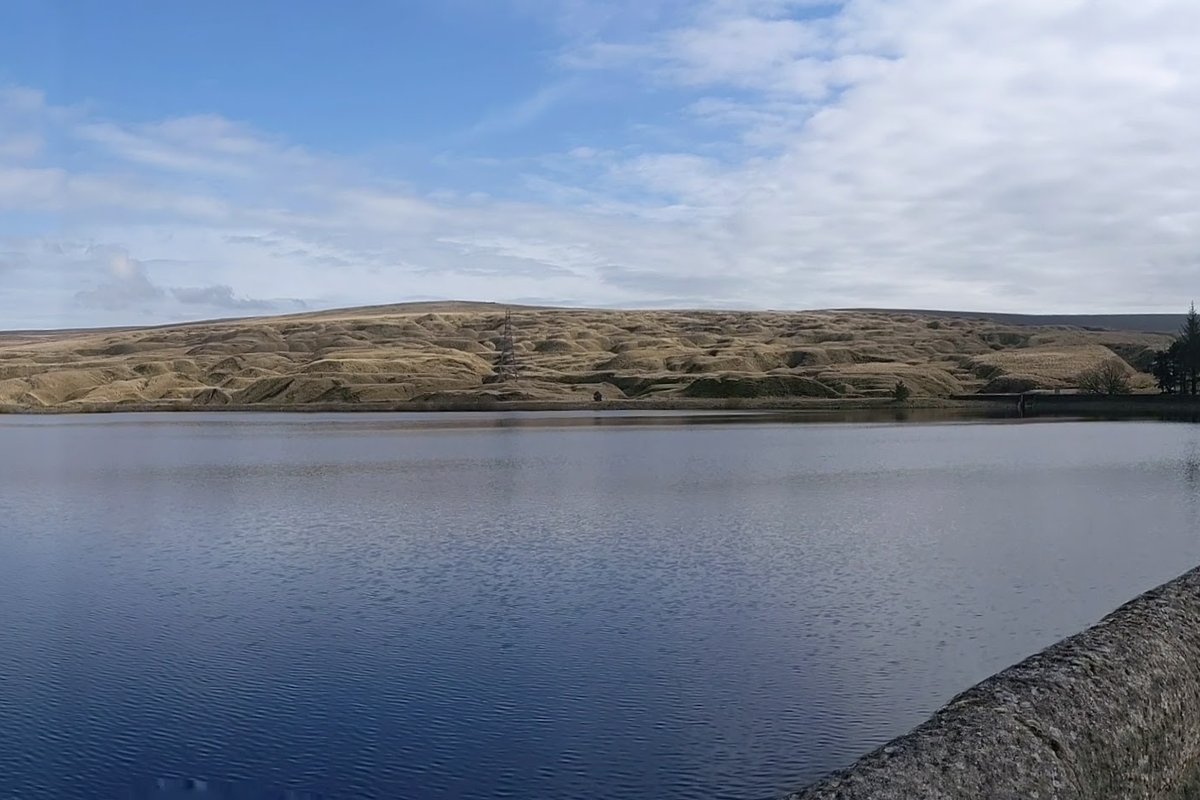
1189	351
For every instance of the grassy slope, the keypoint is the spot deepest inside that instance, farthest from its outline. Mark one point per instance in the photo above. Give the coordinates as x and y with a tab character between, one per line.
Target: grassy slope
445	354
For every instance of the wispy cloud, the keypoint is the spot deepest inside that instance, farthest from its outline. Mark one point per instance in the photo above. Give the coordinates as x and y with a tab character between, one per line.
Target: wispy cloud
155	152
20	146
205	145
523	113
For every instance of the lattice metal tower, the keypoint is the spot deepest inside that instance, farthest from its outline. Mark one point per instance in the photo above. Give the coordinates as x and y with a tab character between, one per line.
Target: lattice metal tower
507	367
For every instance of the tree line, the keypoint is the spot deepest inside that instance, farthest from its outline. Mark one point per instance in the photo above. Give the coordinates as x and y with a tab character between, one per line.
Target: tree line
1177	369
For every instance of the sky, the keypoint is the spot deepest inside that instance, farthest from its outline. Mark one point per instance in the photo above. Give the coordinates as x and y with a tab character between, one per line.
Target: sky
172	161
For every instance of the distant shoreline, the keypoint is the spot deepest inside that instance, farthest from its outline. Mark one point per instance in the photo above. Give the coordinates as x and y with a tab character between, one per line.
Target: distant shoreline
1036	406
1129	406
476	405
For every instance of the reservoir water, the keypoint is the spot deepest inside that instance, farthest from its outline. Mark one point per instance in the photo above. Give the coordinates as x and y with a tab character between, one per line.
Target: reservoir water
540	606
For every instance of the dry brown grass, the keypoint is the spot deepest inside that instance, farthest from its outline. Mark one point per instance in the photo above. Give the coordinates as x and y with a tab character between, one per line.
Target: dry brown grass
438	353
1051	362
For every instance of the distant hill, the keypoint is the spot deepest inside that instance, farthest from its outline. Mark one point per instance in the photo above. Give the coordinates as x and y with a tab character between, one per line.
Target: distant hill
448	353
1142	323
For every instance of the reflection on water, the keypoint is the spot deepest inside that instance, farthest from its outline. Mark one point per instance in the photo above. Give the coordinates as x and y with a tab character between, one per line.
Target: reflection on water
368	422
537	605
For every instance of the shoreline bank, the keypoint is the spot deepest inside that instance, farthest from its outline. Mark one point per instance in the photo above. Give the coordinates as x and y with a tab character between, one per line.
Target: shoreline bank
1029	406
476	405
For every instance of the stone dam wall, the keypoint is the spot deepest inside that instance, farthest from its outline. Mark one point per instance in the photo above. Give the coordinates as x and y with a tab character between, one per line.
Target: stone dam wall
1113	712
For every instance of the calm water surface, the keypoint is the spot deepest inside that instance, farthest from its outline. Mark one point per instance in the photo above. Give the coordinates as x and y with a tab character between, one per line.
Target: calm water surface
541	606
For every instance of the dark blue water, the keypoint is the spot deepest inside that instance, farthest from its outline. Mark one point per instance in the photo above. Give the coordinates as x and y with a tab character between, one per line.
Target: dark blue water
540	607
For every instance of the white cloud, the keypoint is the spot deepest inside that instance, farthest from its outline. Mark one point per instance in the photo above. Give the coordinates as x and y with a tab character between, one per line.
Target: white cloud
126	286
114	287
125	268
972	145
223	297
747	51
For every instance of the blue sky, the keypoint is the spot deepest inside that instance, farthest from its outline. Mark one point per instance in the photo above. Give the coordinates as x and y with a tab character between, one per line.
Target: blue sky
164	161
436	92
397	80
341	79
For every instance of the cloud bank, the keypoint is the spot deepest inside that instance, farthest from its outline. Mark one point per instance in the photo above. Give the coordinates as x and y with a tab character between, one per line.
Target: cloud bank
1024	155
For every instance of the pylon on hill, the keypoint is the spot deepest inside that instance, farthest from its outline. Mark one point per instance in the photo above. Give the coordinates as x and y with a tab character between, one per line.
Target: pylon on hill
507	366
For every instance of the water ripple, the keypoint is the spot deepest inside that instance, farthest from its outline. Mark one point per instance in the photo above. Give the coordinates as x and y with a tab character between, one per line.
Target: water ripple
234	607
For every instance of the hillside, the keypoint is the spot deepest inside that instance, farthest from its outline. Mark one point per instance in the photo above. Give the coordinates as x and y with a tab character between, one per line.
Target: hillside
444	353
1144	323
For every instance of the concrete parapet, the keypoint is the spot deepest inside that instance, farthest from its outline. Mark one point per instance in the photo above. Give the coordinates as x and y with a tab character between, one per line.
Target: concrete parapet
1113	712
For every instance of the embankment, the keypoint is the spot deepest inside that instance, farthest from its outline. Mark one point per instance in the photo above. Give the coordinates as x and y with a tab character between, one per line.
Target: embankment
1158	406
1113	712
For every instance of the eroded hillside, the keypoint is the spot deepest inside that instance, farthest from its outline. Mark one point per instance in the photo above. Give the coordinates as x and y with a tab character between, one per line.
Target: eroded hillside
449	352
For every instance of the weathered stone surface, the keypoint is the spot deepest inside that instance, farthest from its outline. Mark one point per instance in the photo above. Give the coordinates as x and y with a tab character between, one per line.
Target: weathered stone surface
1113	712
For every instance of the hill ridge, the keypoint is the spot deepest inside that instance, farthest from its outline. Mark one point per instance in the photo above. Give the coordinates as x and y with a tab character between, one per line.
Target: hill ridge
447	353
